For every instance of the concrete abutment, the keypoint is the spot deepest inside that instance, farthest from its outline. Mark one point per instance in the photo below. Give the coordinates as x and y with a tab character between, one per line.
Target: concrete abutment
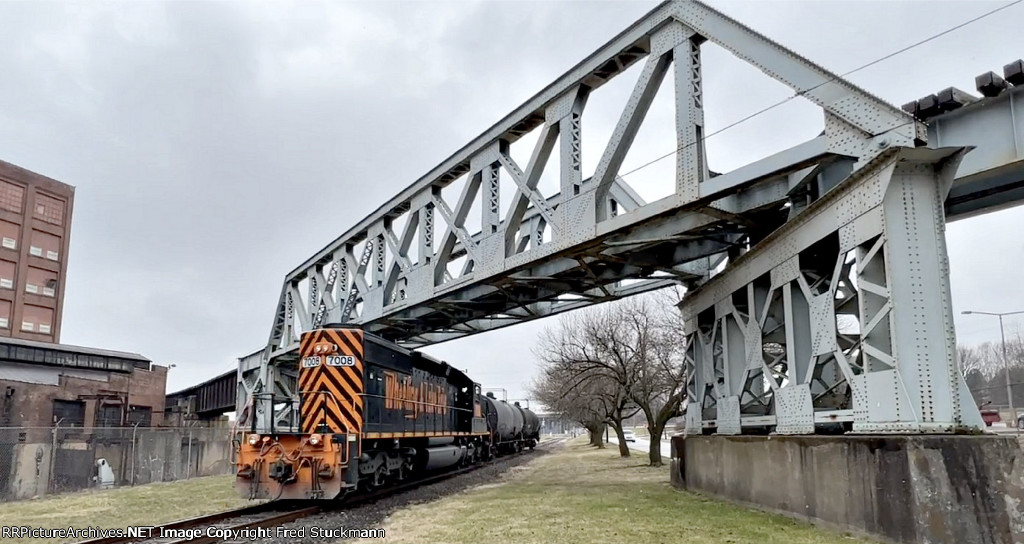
932	489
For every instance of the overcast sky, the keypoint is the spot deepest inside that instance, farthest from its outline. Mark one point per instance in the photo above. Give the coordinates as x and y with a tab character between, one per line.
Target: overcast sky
216	145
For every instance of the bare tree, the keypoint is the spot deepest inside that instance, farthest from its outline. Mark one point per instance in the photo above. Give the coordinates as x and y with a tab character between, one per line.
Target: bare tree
971	359
577	400
621	354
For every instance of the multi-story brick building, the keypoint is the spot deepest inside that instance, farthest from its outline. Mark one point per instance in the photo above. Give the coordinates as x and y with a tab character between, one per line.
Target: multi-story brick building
35	228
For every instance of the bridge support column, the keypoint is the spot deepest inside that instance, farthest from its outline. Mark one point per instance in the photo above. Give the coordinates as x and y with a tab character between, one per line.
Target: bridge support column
841	319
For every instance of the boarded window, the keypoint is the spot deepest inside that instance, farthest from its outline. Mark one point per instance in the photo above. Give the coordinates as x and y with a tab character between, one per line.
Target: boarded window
41	282
37	319
7	269
69	413
108	415
140	415
12	196
10	233
45	245
5	314
49	209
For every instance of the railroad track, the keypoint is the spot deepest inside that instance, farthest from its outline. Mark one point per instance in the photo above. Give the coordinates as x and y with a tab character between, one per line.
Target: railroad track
245	523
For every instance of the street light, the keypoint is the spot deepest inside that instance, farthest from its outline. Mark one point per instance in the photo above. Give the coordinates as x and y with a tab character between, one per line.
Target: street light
1006	363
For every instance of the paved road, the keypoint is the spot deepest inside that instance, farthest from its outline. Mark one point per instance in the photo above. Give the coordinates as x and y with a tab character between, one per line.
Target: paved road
642	444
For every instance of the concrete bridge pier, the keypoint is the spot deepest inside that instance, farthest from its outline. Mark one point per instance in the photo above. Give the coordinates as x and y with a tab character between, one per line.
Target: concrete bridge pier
937	489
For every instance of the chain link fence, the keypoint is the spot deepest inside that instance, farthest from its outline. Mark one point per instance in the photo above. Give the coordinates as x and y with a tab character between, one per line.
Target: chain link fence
37	461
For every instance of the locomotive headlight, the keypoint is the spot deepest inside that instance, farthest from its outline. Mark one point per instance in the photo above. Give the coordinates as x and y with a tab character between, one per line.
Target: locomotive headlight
315	439
254	439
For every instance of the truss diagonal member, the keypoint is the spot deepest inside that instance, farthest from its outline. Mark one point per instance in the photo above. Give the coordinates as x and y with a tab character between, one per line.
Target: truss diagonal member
456	231
633	114
400	248
359	285
298	308
327	296
527	184
281	320
834	94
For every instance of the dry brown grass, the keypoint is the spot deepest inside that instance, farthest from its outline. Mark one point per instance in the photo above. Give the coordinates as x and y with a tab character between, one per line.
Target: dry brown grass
581	494
122	507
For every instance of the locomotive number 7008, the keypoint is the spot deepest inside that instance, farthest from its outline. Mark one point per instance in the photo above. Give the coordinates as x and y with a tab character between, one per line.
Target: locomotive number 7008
341	360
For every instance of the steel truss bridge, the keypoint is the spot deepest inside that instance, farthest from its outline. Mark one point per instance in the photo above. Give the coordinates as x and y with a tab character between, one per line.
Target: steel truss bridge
833	306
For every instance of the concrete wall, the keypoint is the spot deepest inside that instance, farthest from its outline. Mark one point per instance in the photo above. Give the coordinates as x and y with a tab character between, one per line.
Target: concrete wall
151	455
934	489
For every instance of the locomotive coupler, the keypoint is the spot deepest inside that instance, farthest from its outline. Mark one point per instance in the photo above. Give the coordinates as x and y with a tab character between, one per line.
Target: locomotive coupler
281	472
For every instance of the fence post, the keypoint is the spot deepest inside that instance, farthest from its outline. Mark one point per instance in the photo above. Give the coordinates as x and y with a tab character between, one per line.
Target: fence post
134	428
50	479
188	467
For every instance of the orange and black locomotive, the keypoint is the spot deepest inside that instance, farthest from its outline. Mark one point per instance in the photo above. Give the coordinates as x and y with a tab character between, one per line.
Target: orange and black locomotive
371	413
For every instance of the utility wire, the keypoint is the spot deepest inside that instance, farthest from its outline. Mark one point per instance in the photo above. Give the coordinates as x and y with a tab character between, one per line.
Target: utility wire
836	78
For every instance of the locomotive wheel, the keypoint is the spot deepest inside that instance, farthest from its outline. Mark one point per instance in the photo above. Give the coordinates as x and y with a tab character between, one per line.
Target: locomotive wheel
405	470
380	477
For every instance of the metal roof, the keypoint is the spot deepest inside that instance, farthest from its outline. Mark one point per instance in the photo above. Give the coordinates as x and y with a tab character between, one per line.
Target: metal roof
74	349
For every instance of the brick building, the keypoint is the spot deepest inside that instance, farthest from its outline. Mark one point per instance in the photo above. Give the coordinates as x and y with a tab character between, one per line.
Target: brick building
63	408
42	384
35	228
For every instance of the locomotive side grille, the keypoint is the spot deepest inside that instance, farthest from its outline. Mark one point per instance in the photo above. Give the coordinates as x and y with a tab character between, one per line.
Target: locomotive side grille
331	380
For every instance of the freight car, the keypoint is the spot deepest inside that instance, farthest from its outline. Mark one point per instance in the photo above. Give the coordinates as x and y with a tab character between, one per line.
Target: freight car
372	413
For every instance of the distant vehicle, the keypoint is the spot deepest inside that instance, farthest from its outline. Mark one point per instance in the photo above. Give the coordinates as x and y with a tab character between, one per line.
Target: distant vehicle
989	415
628	435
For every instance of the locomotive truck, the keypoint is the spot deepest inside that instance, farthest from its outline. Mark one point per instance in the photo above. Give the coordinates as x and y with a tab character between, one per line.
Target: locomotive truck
372	413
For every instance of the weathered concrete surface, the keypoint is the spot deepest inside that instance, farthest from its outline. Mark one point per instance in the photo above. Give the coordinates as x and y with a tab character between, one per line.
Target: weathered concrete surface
927	489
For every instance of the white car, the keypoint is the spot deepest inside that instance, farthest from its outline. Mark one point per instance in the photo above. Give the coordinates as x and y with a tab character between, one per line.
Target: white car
628	435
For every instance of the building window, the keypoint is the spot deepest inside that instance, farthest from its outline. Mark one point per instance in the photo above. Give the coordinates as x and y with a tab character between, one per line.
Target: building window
44	328
3	323
31	288
6	283
37	251
140	415
52	255
10	243
11	196
108	415
47	291
49	209
69	413
28	326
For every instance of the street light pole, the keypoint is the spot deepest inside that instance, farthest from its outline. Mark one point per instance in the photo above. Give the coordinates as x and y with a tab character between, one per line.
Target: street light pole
1006	368
1006	361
